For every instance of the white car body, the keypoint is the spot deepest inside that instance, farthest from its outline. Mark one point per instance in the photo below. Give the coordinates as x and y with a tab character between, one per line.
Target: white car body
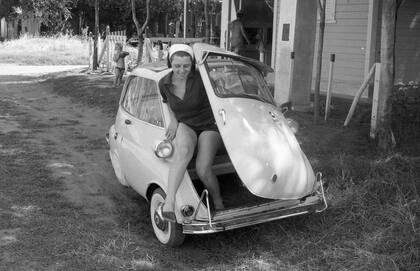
261	147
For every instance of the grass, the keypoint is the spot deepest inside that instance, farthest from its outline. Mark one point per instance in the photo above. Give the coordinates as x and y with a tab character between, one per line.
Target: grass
372	222
60	50
373	219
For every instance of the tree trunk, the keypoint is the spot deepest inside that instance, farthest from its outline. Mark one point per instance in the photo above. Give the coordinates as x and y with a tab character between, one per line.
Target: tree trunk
320	47
206	17
139	29
389	14
96	36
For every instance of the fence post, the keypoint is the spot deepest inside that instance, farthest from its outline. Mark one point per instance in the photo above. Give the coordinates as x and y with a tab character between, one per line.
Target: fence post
292	66
375	99
108	51
358	94
330	78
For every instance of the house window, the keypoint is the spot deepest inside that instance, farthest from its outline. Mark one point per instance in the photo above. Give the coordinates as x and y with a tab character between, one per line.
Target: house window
329	12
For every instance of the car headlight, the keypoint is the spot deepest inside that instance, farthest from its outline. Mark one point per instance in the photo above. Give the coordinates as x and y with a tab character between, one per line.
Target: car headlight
164	149
294	126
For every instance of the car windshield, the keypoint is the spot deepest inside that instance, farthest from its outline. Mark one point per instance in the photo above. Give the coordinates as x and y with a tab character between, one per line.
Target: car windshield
232	77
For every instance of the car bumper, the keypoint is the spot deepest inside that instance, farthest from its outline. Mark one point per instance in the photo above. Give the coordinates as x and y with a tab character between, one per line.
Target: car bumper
256	215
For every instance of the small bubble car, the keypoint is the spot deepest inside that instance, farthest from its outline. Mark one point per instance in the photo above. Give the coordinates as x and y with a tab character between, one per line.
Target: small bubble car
262	171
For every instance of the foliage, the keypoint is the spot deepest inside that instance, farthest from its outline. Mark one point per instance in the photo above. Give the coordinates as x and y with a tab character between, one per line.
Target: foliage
117	14
6	9
54	13
406	113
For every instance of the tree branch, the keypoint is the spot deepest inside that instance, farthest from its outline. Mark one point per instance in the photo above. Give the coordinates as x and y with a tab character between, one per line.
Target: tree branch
140	30
133	11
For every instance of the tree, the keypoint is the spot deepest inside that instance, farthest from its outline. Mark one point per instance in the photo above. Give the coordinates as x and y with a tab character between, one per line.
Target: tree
54	14
321	8
96	36
140	30
7	7
206	19
389	18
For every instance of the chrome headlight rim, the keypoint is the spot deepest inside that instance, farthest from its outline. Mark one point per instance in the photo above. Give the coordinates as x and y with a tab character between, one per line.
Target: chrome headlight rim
164	149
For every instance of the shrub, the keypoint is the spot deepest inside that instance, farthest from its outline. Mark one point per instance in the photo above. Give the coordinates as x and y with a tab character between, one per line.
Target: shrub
406	115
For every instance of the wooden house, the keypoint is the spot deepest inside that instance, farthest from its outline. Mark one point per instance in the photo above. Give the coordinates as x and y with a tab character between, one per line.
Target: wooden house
352	33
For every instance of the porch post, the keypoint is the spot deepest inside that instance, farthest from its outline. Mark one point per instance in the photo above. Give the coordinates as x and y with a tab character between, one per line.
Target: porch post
274	38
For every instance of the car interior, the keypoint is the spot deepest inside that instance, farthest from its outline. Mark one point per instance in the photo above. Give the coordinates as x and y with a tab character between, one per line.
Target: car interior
234	193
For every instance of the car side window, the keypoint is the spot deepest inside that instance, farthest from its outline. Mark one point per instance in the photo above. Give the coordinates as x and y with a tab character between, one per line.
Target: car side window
143	102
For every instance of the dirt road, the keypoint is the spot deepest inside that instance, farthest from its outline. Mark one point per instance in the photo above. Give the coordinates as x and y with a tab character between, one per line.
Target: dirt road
77	133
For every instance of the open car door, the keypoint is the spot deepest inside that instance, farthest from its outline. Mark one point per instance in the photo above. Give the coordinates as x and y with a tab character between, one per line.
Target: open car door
260	144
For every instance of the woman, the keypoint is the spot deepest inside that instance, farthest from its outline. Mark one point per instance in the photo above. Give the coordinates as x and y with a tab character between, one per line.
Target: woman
191	123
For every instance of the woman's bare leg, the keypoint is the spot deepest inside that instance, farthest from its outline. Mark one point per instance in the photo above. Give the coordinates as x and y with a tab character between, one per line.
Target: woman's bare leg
208	144
184	145
117	76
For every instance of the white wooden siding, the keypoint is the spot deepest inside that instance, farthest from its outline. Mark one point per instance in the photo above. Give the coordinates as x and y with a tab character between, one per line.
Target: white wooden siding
347	39
407	47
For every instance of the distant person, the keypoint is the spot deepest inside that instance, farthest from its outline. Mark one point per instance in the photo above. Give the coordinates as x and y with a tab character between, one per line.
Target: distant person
119	56
237	34
85	31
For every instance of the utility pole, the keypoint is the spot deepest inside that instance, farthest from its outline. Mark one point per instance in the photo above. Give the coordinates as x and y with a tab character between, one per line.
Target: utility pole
96	36
185	18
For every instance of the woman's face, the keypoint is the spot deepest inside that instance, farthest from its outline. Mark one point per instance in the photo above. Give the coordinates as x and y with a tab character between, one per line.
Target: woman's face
181	66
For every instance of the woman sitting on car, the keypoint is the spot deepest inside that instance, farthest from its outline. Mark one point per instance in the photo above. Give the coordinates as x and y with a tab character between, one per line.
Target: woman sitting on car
191	124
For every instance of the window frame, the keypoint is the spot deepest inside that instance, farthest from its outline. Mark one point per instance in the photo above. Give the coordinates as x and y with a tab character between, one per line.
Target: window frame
159	101
218	94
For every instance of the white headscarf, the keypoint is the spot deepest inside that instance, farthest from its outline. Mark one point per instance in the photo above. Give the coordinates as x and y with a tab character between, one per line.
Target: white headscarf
181	47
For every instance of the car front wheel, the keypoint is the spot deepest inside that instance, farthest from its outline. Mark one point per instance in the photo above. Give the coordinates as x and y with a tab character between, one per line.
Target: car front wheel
168	233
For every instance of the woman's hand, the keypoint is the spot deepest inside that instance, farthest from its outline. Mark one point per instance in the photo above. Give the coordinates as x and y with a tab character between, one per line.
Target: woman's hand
171	130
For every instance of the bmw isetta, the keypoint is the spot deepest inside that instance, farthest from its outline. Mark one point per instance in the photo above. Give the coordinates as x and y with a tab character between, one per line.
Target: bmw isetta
262	171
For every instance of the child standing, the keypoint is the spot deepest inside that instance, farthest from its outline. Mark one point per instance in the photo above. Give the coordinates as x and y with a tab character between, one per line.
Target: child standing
119	56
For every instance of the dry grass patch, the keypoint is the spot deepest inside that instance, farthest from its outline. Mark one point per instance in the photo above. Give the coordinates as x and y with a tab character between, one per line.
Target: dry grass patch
59	50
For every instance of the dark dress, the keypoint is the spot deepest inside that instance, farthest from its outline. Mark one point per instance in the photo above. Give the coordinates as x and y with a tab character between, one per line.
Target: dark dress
194	109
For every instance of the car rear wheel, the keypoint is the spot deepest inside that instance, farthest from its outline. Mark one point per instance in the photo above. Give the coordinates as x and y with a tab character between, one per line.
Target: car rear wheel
168	233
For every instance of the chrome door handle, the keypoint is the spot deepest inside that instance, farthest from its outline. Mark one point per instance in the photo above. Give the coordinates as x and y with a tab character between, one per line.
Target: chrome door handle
223	114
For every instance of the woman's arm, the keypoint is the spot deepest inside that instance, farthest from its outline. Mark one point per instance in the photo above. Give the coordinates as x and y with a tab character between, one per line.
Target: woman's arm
116	56
173	125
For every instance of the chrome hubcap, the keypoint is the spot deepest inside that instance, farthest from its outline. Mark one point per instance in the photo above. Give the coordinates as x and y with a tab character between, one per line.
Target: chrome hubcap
159	221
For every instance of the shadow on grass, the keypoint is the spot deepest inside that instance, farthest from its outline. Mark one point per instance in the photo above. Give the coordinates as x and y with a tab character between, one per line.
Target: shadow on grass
89	89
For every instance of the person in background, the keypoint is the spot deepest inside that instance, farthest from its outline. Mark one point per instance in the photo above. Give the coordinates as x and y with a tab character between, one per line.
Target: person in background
237	34
118	58
191	124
